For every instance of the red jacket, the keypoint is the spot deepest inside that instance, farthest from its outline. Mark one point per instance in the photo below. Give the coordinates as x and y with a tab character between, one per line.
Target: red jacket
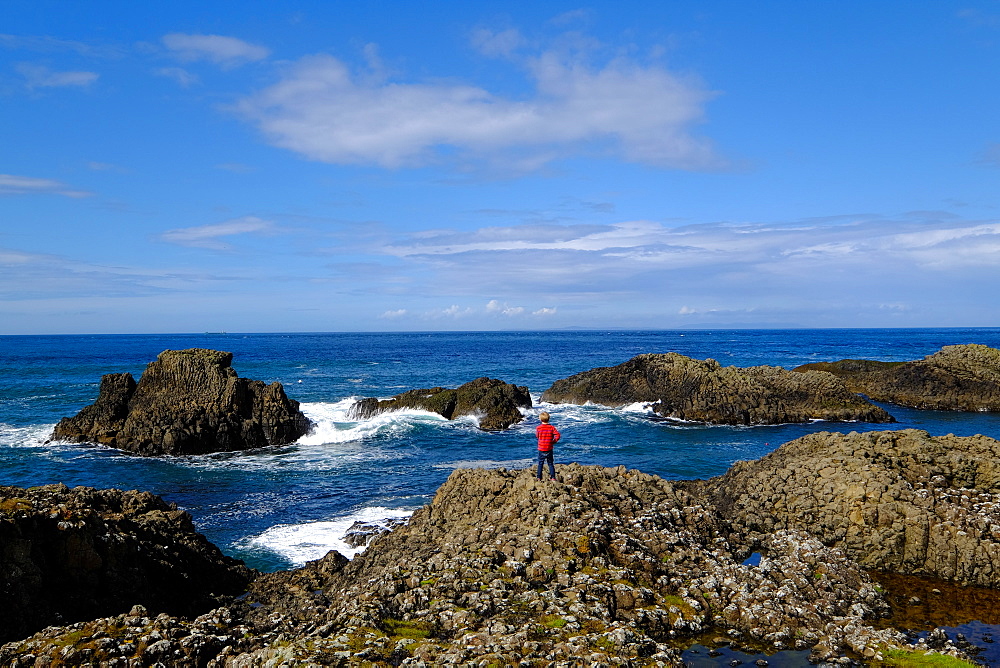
547	436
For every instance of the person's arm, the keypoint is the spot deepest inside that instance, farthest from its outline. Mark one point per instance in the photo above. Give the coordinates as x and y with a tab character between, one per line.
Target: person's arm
555	435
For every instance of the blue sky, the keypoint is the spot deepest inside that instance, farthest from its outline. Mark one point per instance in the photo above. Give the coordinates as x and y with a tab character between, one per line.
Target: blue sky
332	166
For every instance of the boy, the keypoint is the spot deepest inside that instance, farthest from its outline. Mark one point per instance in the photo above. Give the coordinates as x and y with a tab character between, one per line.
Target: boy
547	437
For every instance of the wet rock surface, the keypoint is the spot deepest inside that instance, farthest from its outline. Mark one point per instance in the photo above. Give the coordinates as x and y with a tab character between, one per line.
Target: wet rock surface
683	388
494	403
957	378
74	554
605	566
186	402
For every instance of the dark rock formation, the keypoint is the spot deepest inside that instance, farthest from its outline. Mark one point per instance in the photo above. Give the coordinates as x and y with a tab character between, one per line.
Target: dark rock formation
682	388
74	554
494	402
187	402
956	378
899	501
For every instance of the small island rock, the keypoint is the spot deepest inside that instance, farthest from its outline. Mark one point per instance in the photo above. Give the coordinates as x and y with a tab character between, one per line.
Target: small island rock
956	378
186	402
682	388
495	403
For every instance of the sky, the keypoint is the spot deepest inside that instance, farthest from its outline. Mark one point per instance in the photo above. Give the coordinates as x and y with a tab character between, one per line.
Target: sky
401	166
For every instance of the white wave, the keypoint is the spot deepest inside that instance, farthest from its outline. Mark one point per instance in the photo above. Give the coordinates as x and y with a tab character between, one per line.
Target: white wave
643	407
25	437
332	423
486	464
300	543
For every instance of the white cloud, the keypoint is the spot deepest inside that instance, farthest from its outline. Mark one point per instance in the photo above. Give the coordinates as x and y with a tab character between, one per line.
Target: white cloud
212	236
494	306
25	185
227	52
40	76
183	78
494	44
545	310
390	315
326	112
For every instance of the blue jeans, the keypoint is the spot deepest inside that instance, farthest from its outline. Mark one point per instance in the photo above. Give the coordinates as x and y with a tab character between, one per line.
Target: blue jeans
543	457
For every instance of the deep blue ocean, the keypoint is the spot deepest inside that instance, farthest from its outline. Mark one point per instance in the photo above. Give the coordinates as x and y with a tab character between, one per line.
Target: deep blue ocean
280	506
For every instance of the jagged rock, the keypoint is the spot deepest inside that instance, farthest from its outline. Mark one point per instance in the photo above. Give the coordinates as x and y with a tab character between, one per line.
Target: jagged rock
682	388
186	402
495	403
898	501
956	378
68	555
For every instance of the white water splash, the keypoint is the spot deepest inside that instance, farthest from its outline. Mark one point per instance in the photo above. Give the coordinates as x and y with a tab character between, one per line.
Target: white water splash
299	543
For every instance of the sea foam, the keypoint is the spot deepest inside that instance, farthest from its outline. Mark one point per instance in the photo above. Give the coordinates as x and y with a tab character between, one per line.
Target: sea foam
299	543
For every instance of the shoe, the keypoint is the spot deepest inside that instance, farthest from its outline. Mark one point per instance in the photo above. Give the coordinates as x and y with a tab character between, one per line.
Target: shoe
552	479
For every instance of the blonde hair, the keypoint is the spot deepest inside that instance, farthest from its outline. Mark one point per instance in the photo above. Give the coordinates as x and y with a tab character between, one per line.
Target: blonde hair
543	416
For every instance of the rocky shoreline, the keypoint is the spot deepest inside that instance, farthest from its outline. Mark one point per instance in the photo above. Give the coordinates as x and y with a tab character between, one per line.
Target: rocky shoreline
607	566
678	387
956	378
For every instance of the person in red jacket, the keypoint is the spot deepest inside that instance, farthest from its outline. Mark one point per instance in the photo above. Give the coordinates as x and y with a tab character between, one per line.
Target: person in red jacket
547	437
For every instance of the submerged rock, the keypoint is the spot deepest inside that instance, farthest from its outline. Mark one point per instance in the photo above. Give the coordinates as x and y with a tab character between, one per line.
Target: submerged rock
956	378
495	403
186	402
682	388
69	555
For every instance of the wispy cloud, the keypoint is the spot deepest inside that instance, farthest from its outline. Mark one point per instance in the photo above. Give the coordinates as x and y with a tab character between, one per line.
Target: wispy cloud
40	76
215	236
183	78
26	185
621	108
226	52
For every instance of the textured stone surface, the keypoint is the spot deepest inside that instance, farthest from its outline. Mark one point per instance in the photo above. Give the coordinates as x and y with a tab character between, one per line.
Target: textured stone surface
493	402
75	554
606	566
899	501
187	402
682	388
957	378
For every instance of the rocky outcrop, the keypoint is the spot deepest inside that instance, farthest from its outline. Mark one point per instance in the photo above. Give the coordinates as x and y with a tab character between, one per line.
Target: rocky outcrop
682	388
605	566
956	378
495	403
68	555
899	501
186	402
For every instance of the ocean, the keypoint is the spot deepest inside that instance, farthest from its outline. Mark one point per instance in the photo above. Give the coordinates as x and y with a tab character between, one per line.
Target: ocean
280	506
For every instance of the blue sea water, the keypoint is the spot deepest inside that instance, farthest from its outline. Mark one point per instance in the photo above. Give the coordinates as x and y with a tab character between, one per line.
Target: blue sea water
280	506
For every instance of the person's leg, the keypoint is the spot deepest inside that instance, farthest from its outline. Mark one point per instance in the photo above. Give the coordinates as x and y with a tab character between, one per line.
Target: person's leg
550	459
541	463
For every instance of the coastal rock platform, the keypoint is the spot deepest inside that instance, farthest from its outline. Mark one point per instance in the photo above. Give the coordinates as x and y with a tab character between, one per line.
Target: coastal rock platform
494	403
682	388
187	402
956	378
605	565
